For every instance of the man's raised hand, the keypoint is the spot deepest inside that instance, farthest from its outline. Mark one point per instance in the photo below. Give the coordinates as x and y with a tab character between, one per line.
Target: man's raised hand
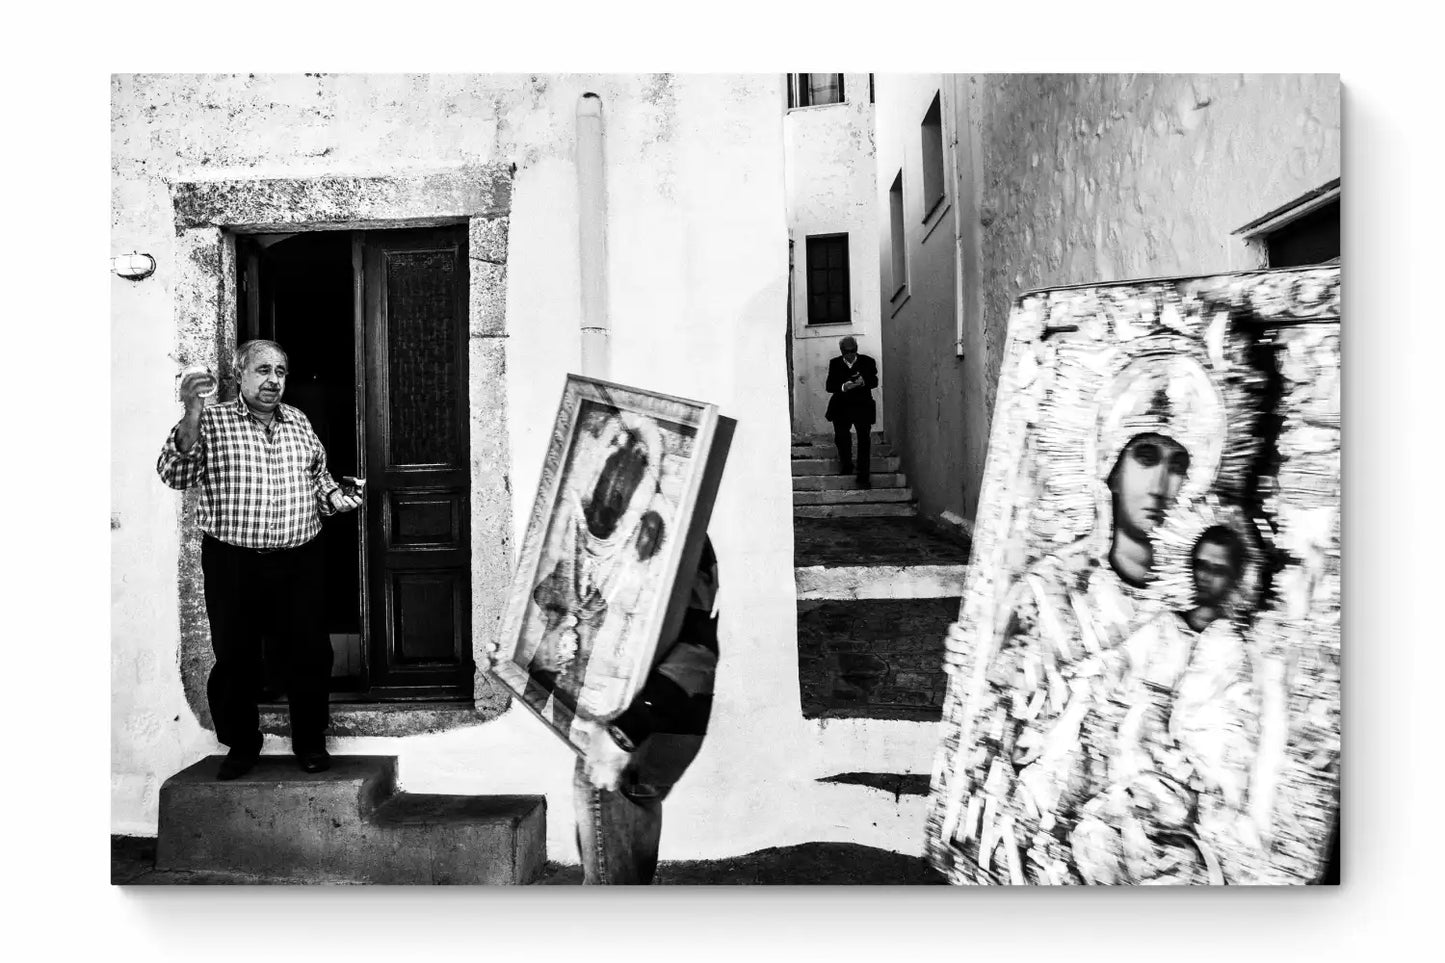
196	387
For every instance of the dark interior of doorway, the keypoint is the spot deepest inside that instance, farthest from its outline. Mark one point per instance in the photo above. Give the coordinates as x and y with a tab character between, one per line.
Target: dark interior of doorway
305	301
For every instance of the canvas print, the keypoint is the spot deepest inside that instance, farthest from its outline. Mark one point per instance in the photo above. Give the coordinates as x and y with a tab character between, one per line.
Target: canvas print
1144	681
622	507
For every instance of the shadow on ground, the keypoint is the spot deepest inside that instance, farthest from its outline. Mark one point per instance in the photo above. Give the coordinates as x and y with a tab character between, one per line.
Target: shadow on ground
132	862
808	864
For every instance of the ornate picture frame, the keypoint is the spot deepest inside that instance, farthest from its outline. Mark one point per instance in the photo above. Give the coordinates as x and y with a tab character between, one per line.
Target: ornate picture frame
603	576
1144	680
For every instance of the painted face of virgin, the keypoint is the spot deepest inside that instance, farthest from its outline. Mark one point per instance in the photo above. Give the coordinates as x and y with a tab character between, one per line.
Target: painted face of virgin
621	474
263	381
1145	482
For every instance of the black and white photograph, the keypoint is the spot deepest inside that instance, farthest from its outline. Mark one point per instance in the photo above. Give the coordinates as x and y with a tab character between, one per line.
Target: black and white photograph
944	487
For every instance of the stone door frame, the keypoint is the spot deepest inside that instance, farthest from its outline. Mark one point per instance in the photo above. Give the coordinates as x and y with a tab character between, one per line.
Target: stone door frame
208	215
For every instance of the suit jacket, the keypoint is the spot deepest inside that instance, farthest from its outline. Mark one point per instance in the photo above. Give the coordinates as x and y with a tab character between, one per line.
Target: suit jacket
855	406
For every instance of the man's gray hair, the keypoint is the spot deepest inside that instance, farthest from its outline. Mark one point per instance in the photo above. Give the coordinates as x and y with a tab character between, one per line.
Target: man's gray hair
849	343
247	351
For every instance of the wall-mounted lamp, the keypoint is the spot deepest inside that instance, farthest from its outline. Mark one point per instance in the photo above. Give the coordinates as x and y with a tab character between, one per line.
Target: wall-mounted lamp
133	266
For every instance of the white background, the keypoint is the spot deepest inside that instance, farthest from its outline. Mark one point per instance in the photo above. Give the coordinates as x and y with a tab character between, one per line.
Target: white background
54	400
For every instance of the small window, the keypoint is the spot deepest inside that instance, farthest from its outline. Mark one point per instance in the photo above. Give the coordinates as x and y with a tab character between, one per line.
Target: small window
897	240
870	88
1305	231
932	157
814	90
827	268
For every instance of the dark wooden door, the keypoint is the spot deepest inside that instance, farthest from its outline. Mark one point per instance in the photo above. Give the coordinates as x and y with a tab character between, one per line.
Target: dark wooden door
416	462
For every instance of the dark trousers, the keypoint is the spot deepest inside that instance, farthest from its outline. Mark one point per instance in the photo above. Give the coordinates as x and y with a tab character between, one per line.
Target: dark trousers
619	831
282	593
845	446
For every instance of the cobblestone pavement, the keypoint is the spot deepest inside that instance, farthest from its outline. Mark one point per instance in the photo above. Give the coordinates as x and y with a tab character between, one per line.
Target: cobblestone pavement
873	541
873	658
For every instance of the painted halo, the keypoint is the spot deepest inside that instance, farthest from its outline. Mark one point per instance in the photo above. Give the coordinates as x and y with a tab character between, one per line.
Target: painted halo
1174	543
1168	394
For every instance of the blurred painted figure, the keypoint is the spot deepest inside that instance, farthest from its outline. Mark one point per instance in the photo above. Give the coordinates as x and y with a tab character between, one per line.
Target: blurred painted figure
604	557
1158	436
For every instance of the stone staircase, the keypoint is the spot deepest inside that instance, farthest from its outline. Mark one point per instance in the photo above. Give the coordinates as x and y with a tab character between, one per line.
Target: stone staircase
346	825
820	490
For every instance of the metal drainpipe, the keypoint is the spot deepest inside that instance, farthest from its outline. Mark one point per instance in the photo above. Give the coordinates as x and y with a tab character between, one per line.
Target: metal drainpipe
592	230
958	255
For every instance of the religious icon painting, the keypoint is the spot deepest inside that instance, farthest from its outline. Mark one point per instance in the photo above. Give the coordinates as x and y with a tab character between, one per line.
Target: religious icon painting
621	513
1144	680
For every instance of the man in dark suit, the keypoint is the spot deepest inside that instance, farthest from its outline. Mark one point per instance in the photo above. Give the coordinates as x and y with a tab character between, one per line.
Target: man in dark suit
851	380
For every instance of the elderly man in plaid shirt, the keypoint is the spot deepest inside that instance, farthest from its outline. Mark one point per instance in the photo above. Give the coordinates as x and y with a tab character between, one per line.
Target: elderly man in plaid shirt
264	487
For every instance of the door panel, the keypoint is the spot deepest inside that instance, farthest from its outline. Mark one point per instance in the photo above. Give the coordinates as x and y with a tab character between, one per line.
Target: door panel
424	520
418	471
426	608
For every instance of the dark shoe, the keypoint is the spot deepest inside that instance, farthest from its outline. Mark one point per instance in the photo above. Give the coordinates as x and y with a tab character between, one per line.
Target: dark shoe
847	469
237	763
314	760
863	482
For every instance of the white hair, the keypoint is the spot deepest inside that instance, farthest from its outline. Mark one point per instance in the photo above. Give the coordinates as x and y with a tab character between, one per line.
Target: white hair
247	351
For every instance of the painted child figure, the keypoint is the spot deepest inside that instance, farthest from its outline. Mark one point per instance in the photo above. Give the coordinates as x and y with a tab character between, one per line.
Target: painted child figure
1176	810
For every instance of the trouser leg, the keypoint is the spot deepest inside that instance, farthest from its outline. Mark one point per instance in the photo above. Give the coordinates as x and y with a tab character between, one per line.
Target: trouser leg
865	446
845	446
235	680
618	836
299	585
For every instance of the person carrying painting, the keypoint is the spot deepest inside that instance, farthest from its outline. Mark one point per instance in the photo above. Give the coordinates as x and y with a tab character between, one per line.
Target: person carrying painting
851	380
631	765
264	489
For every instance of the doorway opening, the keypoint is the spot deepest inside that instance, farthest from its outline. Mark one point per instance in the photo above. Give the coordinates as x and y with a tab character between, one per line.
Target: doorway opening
374	326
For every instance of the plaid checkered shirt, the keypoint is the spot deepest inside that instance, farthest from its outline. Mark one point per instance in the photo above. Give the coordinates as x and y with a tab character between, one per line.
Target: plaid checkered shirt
260	487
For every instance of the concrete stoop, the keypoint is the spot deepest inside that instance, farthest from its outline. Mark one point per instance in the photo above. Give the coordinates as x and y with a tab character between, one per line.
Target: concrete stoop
346	825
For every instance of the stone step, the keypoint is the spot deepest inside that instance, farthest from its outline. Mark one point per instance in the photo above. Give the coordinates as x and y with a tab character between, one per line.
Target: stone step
348	824
830	466
911	581
840	511
877	435
855	497
846	483
830	450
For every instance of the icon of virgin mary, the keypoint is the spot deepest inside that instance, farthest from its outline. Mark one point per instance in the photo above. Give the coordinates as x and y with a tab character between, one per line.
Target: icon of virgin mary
1159	433
611	533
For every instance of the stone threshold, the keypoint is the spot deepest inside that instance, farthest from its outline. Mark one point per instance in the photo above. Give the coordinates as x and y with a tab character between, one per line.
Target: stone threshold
382	718
880	581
